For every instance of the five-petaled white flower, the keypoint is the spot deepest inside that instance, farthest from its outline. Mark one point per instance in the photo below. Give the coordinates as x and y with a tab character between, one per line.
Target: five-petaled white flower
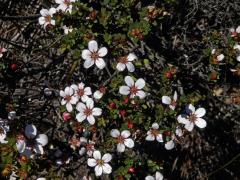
158	176
122	139
87	111
237	48
65	5
4	128
47	17
172	103
174	138
81	91
32	142
93	55
154	133
68	98
134	89
126	61
2	50
217	56
100	163
192	117
88	147
67	29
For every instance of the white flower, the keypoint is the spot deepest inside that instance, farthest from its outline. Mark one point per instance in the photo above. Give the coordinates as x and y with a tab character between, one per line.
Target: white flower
2	50
134	89
12	115
88	148
41	178
81	91
46	18
154	133
169	145
93	55
99	93
192	117
126	61
100	163
174	138
122	139
67	29
217	56
32	142
158	176
87	111
68	98
237	47
65	5
172	103
4	128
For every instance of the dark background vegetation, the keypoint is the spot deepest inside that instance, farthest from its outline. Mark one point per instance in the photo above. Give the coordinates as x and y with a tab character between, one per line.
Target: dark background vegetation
210	153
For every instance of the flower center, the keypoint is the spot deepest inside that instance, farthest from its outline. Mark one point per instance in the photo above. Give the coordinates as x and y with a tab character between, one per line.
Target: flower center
80	92
100	162
88	111
90	147
120	140
48	18
133	90
67	98
123	59
174	103
192	118
1	131
94	56
155	132
67	2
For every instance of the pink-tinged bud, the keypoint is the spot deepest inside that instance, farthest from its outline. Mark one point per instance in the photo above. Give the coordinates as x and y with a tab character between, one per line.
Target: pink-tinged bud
66	116
122	113
126	100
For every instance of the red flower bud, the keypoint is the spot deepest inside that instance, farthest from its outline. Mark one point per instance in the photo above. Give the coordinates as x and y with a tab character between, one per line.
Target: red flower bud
130	125
122	113
66	116
169	75
167	133
126	100
112	105
14	67
131	170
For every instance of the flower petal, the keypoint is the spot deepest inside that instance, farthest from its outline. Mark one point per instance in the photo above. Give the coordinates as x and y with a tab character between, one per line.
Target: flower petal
90	103
120	147
107	169
200	112
150	137
155	126
182	118
100	63
52	11
38	149
125	133
42	139
97	155
81	117
91	119
166	100
97	94
201	123
149	178
114	133
169	145
102	51
159	176
190	109
30	131
93	46
130	67
87	91
69	107
140	83
129	81
98	170
88	63
129	143
21	146
81	107
86	54
159	138
92	162
120	66
131	57
141	94
189	126
97	111
107	157
124	90
44	12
